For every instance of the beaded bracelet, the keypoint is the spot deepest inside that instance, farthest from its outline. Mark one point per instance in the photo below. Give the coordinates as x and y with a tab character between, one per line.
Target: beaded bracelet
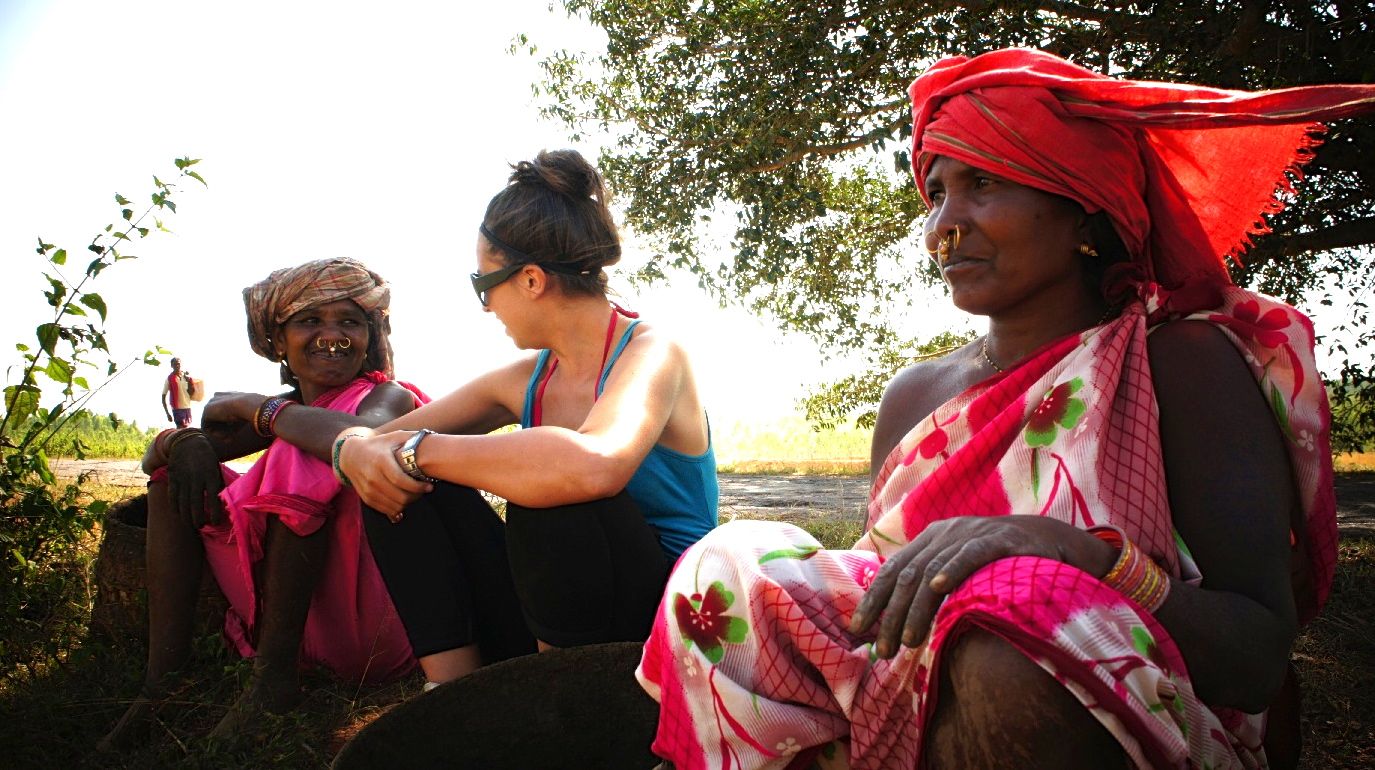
1134	575
267	413
336	451
272	419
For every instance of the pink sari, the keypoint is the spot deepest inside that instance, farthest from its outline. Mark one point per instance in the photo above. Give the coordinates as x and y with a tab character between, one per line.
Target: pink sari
750	658
352	628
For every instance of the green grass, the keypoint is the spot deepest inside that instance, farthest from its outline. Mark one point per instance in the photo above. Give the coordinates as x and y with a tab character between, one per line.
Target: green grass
789	446
1352	462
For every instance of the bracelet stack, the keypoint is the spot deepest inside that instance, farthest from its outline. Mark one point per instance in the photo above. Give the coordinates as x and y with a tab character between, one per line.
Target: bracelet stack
1134	575
180	436
266	416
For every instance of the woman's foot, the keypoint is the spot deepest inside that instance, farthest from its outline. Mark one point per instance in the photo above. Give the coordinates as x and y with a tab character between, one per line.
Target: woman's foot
257	699
131	729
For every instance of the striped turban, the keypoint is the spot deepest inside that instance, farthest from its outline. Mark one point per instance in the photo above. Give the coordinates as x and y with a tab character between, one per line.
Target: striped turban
286	292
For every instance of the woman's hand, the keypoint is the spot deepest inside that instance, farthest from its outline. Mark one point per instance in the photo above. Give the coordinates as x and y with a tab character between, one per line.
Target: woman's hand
194	481
369	463
911	585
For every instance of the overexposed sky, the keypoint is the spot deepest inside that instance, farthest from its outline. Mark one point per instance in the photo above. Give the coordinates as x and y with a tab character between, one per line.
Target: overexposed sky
363	129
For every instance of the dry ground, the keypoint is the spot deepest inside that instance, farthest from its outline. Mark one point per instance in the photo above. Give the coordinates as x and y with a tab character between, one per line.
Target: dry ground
54	719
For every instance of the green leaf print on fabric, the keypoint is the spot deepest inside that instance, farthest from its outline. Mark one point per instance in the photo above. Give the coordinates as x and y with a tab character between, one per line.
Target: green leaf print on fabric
702	621
1059	409
801	552
1281	411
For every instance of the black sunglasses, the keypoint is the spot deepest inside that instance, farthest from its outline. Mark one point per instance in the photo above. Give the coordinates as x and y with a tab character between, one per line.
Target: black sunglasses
485	282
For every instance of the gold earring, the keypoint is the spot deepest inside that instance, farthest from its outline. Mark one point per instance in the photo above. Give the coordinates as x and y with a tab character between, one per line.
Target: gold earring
1088	251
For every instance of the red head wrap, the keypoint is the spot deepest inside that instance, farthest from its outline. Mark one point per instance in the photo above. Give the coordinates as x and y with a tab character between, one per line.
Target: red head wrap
1184	172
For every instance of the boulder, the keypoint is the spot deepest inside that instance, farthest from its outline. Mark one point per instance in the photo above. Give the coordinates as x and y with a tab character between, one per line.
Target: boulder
573	708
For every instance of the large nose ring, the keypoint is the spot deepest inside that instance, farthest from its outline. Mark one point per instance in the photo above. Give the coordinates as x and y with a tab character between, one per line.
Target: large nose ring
333	345
945	247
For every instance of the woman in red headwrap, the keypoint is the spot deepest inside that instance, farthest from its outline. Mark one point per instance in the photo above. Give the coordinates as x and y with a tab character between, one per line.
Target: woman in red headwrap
1094	532
283	540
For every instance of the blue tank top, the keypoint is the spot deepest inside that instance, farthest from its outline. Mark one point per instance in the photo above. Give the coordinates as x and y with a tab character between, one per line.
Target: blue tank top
677	493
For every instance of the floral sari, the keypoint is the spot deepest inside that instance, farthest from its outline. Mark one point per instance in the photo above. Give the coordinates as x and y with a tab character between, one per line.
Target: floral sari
750	657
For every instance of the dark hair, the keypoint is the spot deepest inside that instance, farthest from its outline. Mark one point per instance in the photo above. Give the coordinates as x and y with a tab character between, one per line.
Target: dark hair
1111	251
554	211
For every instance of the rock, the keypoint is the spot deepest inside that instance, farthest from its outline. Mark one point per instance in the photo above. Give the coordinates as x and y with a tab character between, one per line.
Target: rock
574	708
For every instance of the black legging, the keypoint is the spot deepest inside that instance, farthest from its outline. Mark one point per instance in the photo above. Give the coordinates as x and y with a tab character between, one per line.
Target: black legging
577	574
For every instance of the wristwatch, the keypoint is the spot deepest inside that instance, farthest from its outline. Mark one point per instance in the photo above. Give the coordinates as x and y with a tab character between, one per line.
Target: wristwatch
406	456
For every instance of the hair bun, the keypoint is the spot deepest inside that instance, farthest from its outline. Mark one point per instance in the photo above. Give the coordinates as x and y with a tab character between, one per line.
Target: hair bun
565	172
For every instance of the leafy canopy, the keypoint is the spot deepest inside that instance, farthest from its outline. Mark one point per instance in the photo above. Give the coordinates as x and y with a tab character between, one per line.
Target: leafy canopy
789	120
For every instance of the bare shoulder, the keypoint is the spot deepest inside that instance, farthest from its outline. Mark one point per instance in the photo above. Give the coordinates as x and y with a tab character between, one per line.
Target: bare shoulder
652	344
389	399
1188	356
916	392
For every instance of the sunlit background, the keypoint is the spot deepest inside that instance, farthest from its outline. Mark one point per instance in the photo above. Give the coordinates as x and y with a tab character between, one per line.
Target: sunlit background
377	131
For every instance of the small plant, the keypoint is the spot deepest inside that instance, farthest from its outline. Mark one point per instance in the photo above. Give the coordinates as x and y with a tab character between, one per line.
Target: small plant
42	521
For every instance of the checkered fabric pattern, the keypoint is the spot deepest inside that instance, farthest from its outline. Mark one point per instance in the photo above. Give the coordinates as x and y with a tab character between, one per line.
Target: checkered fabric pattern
751	658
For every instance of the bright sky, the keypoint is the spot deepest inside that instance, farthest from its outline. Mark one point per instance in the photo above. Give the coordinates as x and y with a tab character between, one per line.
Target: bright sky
377	131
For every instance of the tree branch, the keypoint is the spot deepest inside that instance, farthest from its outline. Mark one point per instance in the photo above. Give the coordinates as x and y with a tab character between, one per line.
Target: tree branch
827	150
1343	235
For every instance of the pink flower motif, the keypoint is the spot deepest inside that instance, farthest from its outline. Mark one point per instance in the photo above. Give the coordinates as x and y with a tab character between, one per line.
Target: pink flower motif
1246	321
934	443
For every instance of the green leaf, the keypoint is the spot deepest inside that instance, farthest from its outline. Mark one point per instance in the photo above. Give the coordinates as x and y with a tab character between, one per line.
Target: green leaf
21	401
1281	411
73	310
197	177
59	370
1142	640
714	654
736	630
727	598
59	257
128	214
47	337
21	347
121	200
44	248
801	552
82	382
94	302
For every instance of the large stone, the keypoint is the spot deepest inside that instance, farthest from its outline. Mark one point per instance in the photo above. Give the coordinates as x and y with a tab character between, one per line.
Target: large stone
574	708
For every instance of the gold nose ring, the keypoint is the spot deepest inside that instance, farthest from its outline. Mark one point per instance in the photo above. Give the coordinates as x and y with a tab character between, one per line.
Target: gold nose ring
945	247
333	345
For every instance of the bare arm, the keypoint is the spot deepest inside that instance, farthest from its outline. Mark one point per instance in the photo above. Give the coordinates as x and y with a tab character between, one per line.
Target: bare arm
1231	491
486	403
310	428
545	466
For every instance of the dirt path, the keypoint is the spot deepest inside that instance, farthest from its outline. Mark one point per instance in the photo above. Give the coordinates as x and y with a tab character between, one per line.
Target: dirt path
797	497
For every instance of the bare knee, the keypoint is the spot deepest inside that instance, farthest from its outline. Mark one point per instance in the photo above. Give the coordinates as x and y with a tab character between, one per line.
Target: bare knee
995	707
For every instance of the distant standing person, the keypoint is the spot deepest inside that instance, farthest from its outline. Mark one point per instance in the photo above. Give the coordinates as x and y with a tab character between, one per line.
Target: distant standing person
178	386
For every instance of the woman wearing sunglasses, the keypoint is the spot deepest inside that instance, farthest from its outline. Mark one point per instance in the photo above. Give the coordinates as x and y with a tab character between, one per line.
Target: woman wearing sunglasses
610	478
